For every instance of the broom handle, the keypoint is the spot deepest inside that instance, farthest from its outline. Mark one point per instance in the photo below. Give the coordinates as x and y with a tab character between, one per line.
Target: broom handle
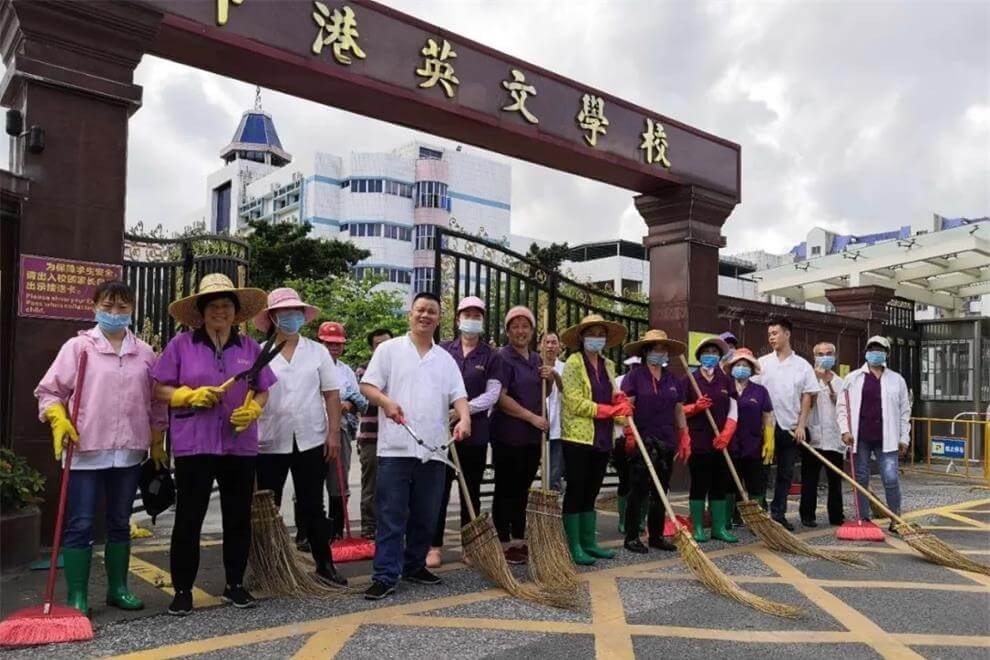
544	448
653	474
711	420
465	495
340	487
852	455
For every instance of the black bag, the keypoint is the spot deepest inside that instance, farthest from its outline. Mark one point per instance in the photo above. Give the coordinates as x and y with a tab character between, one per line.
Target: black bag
157	489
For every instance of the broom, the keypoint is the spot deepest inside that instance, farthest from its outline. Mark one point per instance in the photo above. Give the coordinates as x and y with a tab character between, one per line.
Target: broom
860	530
480	542
52	623
930	546
707	573
773	535
349	548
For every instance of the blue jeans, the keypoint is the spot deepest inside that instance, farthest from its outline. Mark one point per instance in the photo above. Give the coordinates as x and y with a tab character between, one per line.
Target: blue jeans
887	464
407	496
119	488
556	463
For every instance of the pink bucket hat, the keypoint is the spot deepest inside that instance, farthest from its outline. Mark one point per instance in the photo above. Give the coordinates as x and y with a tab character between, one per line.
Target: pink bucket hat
283	298
519	310
471	302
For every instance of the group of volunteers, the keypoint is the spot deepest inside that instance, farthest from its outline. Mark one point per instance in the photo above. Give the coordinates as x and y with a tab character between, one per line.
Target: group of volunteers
302	411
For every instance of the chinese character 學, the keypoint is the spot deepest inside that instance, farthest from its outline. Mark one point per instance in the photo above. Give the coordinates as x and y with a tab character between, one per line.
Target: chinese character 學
223	10
519	91
592	118
654	145
337	28
436	68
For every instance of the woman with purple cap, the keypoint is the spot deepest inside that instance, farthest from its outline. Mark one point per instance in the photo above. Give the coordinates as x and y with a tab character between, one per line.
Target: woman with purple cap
299	429
480	369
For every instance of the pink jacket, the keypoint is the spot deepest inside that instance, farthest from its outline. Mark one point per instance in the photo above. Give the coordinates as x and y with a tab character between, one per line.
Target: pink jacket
118	408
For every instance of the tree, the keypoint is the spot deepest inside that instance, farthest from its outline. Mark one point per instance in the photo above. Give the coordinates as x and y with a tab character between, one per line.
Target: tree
282	252
549	257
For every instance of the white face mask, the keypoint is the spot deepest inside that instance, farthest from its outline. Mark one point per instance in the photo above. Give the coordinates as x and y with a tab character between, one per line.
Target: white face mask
471	326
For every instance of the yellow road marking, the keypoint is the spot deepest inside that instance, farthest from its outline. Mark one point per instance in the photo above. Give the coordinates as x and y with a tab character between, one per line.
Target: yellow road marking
326	643
608	616
162	579
963	519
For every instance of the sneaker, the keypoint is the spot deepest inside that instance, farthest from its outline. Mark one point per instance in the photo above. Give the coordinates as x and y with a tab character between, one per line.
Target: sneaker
423	576
663	544
635	546
182	604
809	523
302	543
892	530
515	556
238	596
378	590
783	523
329	576
434	558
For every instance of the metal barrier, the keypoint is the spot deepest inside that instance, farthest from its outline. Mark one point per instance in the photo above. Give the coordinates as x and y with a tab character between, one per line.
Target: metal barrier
950	447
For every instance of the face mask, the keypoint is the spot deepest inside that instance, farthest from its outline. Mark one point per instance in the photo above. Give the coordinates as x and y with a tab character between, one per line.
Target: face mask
876	358
112	323
825	362
709	361
290	322
594	344
740	372
471	326
657	359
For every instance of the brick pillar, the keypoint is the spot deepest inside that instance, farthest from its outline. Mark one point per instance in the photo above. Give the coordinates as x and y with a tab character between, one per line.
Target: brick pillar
863	302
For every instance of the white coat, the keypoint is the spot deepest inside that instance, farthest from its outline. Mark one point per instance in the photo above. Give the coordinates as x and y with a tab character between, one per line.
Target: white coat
895	406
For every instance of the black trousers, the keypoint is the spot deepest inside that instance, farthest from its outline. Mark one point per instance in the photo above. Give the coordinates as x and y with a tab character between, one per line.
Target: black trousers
642	489
709	476
621	464
811	469
473	458
785	451
194	477
751	474
515	468
585	467
309	470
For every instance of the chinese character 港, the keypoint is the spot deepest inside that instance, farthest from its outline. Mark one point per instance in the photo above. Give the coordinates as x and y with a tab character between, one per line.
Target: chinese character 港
339	29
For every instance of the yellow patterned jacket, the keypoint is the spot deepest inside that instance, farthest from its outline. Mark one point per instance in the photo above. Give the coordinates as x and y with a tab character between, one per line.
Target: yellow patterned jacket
577	415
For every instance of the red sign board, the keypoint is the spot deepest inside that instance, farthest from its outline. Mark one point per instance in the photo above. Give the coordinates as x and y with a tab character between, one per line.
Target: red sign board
53	288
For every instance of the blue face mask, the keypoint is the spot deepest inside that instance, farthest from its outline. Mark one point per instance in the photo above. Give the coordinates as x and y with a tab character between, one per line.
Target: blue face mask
594	344
876	358
290	322
825	362
112	323
741	372
709	361
657	359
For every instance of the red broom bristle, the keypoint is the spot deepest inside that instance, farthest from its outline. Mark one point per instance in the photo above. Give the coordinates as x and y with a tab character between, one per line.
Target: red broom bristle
31	626
859	530
352	549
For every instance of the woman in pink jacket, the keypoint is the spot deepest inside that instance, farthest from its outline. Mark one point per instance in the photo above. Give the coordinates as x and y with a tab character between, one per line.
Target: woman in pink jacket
118	420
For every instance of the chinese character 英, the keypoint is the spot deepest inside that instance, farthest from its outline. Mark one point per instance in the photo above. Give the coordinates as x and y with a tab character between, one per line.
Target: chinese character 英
436	68
655	144
519	91
592	118
223	10
339	29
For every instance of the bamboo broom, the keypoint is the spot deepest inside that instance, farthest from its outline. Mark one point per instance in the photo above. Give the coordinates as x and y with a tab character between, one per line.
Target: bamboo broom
773	535
707	572
930	546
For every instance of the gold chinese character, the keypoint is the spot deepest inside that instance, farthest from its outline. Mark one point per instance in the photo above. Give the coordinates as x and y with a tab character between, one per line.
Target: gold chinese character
655	144
339	29
29	286
49	266
30	275
223	10
436	68
519	91
62	288
592	118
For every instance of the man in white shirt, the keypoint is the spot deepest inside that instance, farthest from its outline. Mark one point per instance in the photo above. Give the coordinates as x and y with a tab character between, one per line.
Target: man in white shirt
791	382
827	439
550	349
412	381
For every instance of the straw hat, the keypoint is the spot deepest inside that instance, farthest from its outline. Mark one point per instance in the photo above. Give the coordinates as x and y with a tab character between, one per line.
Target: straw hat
571	337
673	346
745	354
717	342
251	300
284	298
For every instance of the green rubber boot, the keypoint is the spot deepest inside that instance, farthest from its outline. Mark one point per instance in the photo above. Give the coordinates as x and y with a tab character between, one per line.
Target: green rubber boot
720	510
572	528
697	508
622	503
117	558
77	561
589	541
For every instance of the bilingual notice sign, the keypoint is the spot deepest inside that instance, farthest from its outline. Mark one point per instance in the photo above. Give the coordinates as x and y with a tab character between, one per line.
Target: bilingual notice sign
53	288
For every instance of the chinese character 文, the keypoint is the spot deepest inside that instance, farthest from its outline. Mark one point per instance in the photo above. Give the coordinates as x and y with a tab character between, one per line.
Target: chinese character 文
337	28
436	68
223	10
654	144
519	91
591	117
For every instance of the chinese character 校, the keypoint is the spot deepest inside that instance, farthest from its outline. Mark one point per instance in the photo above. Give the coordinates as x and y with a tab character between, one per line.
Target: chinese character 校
339	29
223	10
519	91
655	144
436	68
592	118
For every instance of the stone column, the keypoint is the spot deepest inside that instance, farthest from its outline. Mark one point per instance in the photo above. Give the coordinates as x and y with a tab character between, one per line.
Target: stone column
863	302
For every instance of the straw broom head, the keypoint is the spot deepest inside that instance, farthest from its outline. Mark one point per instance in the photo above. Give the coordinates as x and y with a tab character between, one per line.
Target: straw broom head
550	563
937	551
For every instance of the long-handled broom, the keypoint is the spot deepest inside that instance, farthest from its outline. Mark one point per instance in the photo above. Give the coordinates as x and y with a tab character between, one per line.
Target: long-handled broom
349	548
52	623
773	535
860	530
708	573
930	546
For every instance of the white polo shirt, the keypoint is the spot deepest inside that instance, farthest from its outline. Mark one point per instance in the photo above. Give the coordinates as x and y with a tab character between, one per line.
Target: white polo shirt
824	421
424	387
787	380
296	406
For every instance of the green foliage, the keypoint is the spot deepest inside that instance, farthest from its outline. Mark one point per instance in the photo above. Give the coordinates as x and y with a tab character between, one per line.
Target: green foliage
283	252
549	257
20	484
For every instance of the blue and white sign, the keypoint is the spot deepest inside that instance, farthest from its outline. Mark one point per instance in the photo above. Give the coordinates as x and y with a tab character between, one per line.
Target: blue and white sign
948	447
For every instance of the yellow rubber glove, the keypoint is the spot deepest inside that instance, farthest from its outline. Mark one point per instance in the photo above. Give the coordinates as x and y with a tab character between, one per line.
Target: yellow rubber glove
62	428
158	454
201	397
768	447
242	417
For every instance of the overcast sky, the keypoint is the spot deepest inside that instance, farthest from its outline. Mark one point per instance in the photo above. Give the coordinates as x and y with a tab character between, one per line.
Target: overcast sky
854	116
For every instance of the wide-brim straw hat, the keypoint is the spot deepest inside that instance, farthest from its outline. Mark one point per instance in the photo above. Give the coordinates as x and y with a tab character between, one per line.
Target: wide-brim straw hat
251	300
660	337
571	337
283	298
717	342
747	355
